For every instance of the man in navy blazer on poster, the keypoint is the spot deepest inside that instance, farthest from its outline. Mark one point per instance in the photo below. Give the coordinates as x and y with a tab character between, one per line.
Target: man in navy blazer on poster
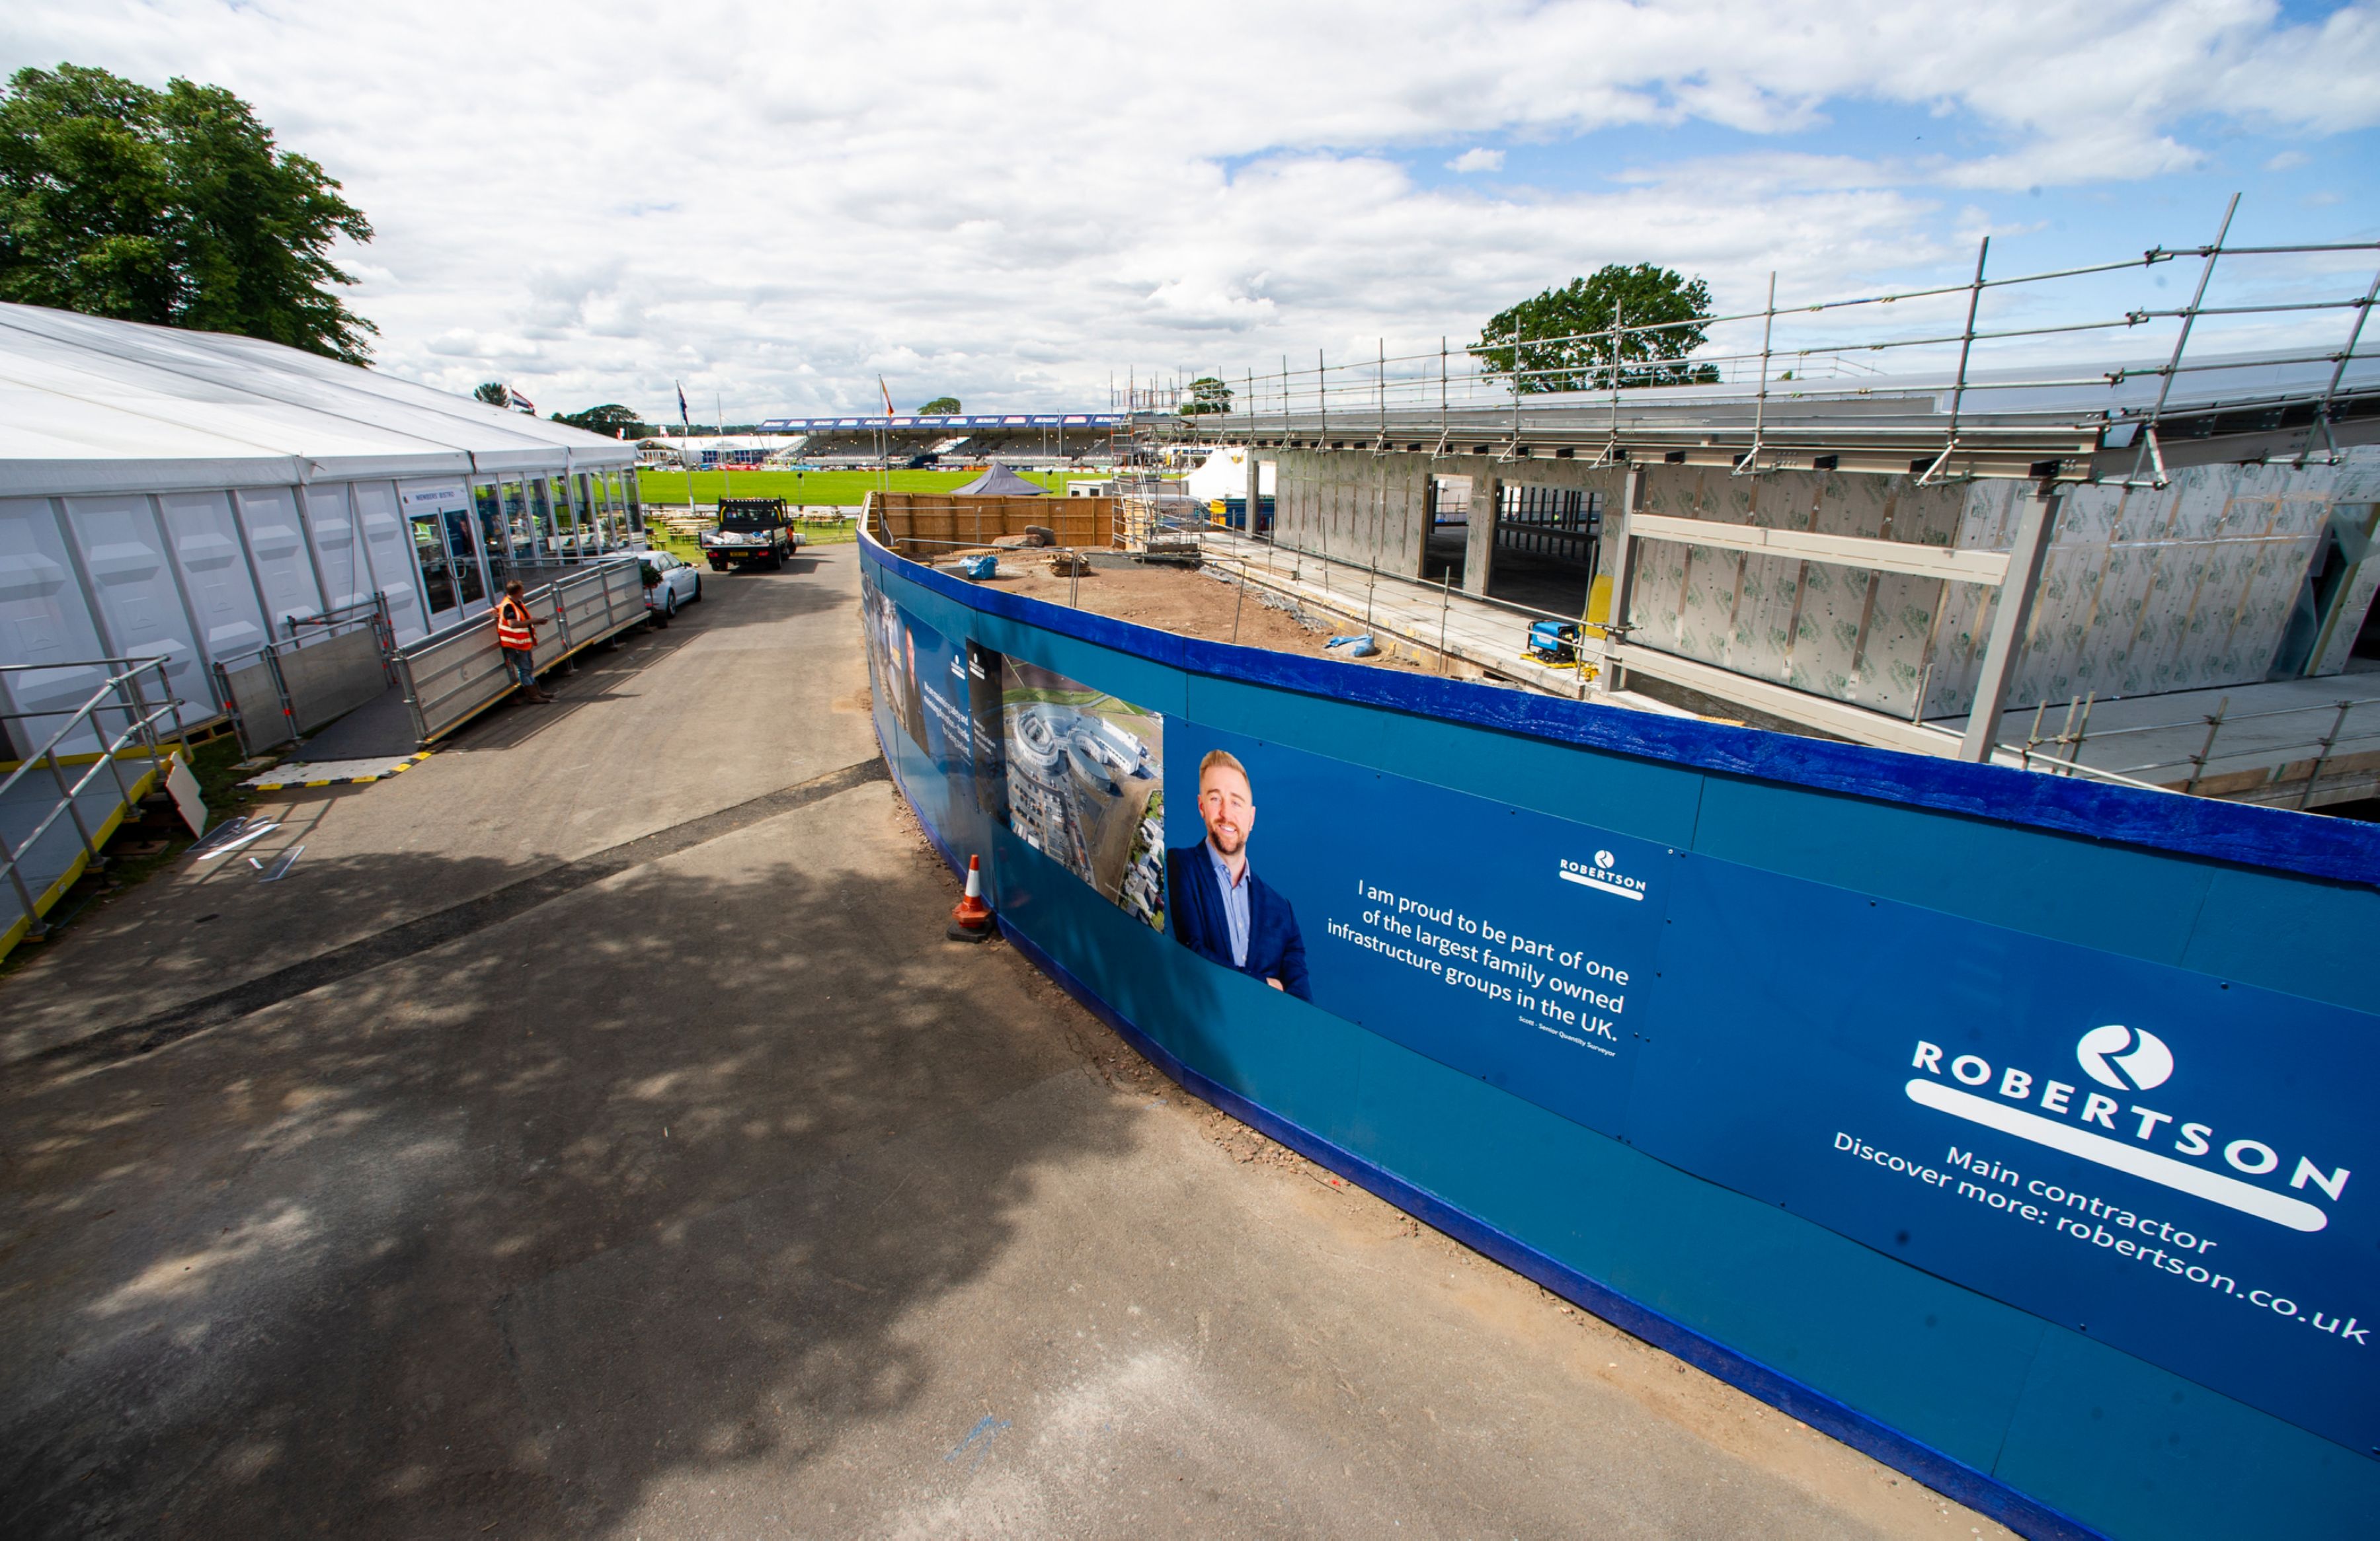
1221	909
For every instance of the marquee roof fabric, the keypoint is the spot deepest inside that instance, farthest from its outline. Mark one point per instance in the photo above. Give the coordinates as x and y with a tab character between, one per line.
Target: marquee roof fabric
91	404
1002	481
1224	473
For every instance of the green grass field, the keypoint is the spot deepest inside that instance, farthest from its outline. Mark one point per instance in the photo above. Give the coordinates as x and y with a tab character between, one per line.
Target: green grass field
843	489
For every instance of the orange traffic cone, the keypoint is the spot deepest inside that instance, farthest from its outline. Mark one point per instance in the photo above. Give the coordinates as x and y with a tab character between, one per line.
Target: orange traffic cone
971	916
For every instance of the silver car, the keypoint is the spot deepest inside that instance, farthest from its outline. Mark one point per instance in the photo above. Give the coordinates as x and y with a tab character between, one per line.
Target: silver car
675	583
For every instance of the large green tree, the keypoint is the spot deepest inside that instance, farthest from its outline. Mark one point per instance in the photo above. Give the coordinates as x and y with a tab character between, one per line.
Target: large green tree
1208	395
1550	338
611	419
169	206
940	406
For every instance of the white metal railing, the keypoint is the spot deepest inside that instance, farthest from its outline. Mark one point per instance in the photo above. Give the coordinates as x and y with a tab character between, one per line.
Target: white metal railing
2321	747
122	692
1989	339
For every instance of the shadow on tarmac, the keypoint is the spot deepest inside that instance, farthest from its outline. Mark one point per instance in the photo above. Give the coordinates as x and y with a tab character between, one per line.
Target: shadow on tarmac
599	675
642	1182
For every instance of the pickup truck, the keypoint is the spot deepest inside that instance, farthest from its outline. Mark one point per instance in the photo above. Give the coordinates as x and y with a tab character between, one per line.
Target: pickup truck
750	529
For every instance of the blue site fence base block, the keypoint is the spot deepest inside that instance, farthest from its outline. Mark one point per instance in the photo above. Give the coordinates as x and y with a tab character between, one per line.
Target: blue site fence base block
2052	1431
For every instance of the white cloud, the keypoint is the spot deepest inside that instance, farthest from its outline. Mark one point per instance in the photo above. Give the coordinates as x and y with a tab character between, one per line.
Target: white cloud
1480	158
2288	160
778	205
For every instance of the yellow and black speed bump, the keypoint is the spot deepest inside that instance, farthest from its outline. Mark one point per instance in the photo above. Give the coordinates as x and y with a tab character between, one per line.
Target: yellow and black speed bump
344	773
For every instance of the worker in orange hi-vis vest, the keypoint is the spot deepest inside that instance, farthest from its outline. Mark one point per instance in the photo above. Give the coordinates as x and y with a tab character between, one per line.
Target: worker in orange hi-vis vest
517	635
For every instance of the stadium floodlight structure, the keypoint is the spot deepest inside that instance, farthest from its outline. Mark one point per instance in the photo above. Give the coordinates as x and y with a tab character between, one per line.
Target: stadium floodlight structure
1845	383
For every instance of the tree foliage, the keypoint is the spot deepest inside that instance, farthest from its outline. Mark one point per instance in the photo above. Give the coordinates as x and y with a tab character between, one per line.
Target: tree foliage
171	207
1207	394
611	419
940	406
1551	335
493	392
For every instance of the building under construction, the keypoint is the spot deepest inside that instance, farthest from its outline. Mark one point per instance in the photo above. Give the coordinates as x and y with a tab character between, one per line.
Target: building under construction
1814	543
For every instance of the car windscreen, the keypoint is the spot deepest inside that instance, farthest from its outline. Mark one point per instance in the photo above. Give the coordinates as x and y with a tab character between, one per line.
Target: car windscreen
749	521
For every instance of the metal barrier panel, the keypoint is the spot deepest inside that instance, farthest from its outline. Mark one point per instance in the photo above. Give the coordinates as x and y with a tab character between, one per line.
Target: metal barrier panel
253	694
450	677
331	678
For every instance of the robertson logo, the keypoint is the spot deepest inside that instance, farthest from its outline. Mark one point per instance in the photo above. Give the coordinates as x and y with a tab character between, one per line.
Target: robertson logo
1604	874
2119	1132
2124	1058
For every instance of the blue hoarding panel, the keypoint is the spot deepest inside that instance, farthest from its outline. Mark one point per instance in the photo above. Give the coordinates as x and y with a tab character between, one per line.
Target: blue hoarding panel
2139	1152
2111	896
1512	946
2290	935
1633	797
1937	1111
2097	1428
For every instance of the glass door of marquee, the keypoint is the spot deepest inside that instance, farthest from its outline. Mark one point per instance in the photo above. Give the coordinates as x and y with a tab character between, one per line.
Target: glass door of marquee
453	578
573	530
470	573
491	524
437	567
602	495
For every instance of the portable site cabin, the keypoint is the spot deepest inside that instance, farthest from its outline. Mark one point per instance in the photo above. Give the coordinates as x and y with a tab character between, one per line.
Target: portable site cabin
195	496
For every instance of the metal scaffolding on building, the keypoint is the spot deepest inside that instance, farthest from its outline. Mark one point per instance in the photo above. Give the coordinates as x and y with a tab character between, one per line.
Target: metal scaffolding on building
1874	382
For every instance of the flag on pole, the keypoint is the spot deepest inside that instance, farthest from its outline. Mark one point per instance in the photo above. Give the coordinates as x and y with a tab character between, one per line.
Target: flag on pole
888	395
685	419
521	401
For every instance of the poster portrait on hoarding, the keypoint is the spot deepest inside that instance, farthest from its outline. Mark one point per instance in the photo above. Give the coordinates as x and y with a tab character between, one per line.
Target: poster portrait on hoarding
1221	910
1507	943
1086	782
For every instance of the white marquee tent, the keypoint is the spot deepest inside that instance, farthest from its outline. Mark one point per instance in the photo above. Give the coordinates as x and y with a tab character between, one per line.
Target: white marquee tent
190	494
998	481
1223	476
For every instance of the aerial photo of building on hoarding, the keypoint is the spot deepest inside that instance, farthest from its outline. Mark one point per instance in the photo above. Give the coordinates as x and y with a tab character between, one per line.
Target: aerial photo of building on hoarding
1086	784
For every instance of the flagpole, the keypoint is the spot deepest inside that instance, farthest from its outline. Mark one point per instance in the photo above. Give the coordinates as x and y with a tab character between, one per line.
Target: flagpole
686	426
719	416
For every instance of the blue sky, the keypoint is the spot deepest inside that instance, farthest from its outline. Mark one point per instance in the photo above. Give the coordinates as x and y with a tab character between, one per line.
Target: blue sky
1010	204
2297	187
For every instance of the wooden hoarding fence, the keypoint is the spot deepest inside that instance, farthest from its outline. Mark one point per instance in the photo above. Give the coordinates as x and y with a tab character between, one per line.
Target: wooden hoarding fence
929	526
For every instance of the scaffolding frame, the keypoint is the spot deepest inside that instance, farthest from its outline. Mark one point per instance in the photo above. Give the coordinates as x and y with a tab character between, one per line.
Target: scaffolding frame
1973	422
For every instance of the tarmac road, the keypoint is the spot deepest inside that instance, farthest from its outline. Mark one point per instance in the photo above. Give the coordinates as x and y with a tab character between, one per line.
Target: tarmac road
607	1143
